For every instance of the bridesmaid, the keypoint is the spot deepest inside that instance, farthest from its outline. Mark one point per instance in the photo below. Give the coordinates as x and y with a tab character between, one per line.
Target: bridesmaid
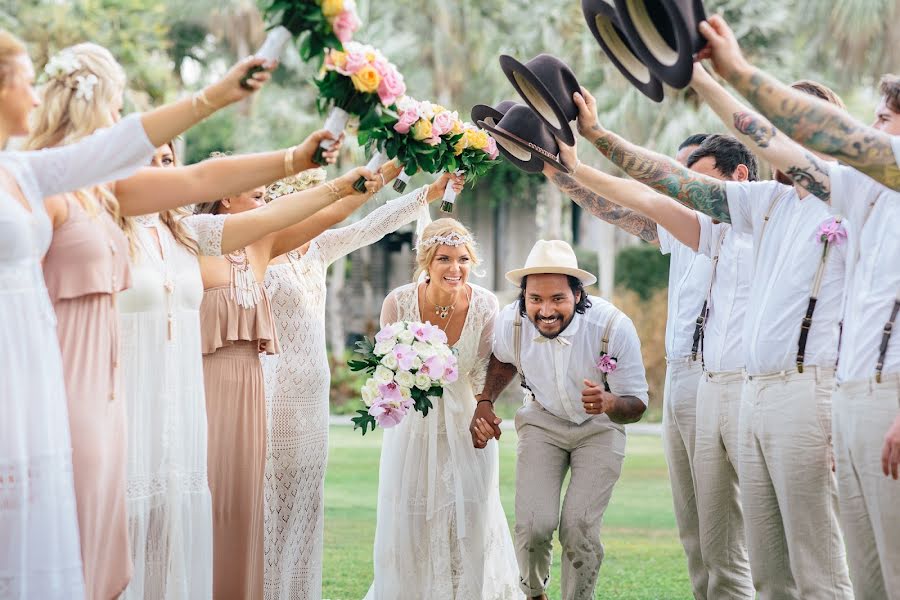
168	499
236	325
86	266
37	504
298	384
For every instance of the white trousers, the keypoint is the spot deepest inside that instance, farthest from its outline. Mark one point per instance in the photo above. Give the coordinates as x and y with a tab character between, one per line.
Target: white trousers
870	502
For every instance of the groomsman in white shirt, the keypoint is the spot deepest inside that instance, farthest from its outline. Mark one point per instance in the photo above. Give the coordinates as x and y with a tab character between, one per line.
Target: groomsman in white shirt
579	358
866	402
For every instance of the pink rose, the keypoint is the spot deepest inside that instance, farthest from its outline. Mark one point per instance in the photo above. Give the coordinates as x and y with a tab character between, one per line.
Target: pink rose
407	120
832	232
491	149
382	66
442	123
345	24
433	141
391	87
355	61
607	364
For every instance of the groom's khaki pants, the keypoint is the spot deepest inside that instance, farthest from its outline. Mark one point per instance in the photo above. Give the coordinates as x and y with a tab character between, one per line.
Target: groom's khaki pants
788	491
679	424
870	502
549	447
722	542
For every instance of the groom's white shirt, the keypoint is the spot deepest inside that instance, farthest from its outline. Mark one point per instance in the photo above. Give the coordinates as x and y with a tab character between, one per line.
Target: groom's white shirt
555	368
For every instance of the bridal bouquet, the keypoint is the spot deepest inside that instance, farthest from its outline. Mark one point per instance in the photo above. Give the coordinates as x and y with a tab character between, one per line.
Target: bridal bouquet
476	152
322	23
357	81
410	363
421	135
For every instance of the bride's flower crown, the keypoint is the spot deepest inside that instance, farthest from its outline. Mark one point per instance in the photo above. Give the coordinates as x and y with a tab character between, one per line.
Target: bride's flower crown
450	239
63	64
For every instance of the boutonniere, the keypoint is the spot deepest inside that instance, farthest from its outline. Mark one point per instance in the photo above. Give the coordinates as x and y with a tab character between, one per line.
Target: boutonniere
607	363
831	232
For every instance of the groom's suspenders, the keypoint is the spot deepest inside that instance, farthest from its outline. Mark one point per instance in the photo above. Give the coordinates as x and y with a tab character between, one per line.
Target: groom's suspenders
700	327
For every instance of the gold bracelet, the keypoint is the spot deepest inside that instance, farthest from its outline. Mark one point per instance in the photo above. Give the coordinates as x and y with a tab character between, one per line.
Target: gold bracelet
289	161
335	194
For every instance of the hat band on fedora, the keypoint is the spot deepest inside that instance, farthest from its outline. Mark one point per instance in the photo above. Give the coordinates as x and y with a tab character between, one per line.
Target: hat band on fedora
531	145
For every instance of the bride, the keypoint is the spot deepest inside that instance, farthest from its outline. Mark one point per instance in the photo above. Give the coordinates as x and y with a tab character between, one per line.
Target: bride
441	531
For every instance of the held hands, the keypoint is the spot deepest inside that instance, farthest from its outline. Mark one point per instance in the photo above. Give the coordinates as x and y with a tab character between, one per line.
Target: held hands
890	455
305	150
436	189
723	47
228	90
485	424
596	400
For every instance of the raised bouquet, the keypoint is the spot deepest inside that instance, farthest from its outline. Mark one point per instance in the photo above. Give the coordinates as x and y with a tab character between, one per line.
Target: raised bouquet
357	81
476	152
409	363
420	135
320	24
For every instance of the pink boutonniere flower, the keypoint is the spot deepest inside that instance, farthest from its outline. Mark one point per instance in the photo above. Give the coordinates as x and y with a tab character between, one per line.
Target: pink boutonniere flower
607	364
832	232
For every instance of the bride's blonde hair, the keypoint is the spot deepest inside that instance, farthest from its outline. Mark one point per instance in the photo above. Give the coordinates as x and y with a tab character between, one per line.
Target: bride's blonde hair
442	228
11	48
84	84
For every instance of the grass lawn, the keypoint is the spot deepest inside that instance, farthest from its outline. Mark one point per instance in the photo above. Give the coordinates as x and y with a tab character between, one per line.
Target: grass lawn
643	557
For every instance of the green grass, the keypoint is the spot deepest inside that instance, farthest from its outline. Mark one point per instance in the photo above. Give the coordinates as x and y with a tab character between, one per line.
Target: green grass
643	557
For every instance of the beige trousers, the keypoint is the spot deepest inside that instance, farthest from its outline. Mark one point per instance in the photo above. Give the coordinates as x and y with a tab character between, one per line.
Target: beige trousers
679	429
721	517
788	491
870	502
548	448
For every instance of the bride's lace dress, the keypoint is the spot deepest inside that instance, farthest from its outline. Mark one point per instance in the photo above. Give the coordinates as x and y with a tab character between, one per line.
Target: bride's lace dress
441	530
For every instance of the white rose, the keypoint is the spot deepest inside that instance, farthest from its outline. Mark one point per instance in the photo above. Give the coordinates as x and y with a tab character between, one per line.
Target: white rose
416	363
382	348
383	375
390	361
423	382
367	396
405	379
423	350
406	337
405	392
443	350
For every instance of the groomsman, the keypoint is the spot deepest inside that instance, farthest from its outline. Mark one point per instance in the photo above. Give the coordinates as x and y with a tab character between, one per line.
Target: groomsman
866	402
712	535
579	358
787	487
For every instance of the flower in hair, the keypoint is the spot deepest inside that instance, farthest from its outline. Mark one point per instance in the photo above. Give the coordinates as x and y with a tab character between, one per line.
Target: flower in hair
84	86
62	64
296	183
451	239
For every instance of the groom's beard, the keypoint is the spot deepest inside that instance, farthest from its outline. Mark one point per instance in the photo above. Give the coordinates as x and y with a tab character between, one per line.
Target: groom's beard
565	323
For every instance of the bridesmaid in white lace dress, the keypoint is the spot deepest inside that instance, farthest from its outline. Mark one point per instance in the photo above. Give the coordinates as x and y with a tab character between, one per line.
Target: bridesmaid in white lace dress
441	530
297	389
40	554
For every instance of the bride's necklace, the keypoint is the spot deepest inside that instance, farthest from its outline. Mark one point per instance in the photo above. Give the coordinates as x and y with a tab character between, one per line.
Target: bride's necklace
442	311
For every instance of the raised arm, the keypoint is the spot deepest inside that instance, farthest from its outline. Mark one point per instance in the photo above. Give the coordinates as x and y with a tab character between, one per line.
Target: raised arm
804	168
644	204
658	171
153	190
810	121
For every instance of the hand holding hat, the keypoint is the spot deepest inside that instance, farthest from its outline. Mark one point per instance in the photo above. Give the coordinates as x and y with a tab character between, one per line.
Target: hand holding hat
723	47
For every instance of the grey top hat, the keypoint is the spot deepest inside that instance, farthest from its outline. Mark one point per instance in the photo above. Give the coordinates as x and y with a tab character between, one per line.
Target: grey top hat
547	85
605	25
521	132
525	160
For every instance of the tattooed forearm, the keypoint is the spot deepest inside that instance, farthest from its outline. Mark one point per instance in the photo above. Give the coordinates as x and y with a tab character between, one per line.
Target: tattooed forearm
499	374
600	207
757	129
821	126
667	176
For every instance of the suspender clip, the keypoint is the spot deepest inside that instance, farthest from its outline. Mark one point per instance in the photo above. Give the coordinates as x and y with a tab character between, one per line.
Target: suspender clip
800	365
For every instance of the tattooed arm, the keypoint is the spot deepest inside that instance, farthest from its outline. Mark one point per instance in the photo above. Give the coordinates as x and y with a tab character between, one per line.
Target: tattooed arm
810	121
658	171
804	168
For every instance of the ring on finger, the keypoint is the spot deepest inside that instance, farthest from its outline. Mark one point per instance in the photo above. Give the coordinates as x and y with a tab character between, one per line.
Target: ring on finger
383	182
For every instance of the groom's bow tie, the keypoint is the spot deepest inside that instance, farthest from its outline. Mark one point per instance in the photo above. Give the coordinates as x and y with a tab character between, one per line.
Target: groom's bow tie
558	339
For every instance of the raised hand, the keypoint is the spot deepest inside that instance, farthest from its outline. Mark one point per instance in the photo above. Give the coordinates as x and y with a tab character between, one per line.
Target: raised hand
308	147
723	48
436	189
587	112
390	170
344	183
229	90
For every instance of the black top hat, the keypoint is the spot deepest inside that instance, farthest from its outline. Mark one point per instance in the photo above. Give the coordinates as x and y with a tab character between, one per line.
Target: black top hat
527	161
521	133
547	85
603	21
664	35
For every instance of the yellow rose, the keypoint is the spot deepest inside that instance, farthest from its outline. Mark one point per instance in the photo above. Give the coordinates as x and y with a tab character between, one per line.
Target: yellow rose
332	8
476	138
457	127
337	58
370	56
421	129
461	145
366	80
437	108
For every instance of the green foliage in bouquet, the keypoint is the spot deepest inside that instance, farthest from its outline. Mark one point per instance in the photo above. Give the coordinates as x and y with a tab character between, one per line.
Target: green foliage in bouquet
415	155
305	20
475	163
338	90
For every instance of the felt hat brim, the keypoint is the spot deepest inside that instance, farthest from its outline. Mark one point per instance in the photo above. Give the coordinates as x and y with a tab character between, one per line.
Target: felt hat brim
515	276
490	115
538	154
525	81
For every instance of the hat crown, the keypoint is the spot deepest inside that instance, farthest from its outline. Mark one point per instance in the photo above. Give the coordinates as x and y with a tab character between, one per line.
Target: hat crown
559	80
551	254
523	122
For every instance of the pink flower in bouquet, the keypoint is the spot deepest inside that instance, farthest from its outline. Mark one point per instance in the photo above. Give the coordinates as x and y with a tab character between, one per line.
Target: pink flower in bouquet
832	232
433	140
405	356
451	372
391	86
433	367
491	149
345	24
607	364
388	332
442	123
390	392
388	414
356	60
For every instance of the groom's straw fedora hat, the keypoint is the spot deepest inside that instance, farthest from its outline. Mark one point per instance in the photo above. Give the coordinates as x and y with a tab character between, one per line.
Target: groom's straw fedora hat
551	257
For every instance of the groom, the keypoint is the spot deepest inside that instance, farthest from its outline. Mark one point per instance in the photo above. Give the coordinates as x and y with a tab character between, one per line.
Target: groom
579	359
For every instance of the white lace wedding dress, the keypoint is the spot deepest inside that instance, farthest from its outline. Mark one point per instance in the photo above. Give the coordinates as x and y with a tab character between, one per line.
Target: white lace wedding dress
441	530
297	392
